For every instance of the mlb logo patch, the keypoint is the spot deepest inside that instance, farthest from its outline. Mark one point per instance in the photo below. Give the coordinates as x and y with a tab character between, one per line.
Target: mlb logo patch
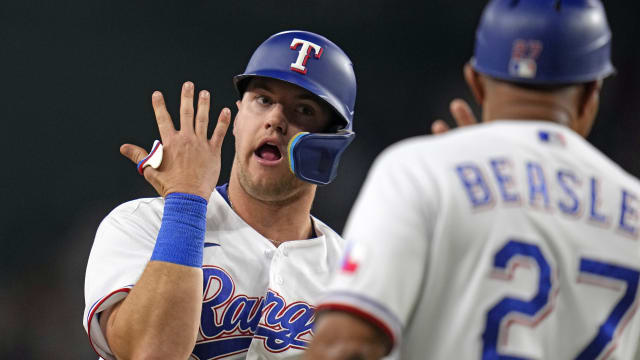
551	138
524	68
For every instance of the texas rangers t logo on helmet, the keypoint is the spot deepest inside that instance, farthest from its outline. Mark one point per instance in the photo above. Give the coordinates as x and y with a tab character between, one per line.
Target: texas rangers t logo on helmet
303	54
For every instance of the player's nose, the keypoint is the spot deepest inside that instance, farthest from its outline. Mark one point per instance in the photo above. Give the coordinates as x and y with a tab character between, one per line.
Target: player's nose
277	119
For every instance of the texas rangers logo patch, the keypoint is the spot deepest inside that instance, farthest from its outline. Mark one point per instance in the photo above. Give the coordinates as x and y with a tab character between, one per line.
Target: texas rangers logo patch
524	55
353	255
303	54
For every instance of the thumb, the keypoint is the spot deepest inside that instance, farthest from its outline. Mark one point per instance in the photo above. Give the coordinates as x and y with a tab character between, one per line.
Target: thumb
133	152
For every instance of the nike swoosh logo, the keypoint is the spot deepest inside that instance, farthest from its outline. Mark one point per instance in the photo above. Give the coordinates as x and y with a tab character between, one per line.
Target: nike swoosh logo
210	244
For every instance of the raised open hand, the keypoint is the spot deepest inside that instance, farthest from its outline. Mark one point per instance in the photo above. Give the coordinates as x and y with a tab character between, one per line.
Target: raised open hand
190	162
462	114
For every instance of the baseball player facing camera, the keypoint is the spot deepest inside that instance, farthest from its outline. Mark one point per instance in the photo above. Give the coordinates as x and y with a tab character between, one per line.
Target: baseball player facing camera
230	272
511	239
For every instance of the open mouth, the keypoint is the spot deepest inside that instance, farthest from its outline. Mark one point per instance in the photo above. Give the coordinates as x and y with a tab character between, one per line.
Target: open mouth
268	152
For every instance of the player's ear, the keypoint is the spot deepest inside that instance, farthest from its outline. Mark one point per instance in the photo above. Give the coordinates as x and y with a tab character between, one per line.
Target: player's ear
590	97
475	83
588	106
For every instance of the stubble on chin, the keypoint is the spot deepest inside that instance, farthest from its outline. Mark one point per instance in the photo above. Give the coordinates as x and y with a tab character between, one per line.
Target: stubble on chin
273	189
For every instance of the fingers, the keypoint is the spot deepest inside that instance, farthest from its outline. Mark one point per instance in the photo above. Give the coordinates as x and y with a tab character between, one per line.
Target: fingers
186	107
439	127
202	116
165	125
462	113
133	152
221	129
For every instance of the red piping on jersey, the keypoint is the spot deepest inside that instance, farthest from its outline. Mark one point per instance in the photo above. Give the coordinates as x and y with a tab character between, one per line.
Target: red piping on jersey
373	320
93	312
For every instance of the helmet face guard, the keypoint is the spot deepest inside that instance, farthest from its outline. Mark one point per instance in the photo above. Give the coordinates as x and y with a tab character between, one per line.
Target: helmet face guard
315	157
319	66
546	42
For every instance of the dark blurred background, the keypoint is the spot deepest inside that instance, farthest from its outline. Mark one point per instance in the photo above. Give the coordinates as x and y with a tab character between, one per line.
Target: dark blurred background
77	78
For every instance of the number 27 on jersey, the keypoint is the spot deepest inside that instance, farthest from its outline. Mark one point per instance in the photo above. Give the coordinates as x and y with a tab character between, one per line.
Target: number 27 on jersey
534	311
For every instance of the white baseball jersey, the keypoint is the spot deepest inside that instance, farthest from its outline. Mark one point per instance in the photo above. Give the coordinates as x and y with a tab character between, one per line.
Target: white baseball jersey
507	240
258	300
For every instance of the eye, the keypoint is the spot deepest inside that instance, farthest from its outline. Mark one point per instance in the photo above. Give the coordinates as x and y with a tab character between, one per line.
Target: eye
263	100
306	110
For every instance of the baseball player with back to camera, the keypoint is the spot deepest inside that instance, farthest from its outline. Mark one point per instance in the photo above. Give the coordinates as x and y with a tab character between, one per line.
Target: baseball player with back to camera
511	239
233	272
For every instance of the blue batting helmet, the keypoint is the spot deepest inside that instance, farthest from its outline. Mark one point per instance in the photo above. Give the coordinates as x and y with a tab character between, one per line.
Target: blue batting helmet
543	41
318	65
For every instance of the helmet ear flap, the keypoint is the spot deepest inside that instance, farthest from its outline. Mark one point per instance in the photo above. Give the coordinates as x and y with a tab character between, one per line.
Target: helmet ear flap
315	157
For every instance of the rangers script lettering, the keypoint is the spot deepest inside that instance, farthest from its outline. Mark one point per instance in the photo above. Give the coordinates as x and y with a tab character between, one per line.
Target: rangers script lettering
222	283
229	321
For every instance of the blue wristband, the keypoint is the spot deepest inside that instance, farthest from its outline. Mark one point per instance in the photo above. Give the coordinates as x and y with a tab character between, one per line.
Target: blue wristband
181	237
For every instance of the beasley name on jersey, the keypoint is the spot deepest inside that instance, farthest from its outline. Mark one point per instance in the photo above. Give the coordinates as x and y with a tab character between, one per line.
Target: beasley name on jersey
512	238
501	181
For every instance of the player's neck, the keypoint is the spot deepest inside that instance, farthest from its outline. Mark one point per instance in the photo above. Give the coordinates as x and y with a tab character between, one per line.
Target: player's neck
278	221
506	101
528	112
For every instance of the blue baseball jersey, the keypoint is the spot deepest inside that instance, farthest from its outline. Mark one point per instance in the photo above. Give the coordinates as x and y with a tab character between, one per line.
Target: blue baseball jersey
506	240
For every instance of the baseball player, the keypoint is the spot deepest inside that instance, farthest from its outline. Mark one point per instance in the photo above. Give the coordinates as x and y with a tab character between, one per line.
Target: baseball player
511	239
230	272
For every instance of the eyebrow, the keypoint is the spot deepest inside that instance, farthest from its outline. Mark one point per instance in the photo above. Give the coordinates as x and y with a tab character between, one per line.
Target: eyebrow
309	96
